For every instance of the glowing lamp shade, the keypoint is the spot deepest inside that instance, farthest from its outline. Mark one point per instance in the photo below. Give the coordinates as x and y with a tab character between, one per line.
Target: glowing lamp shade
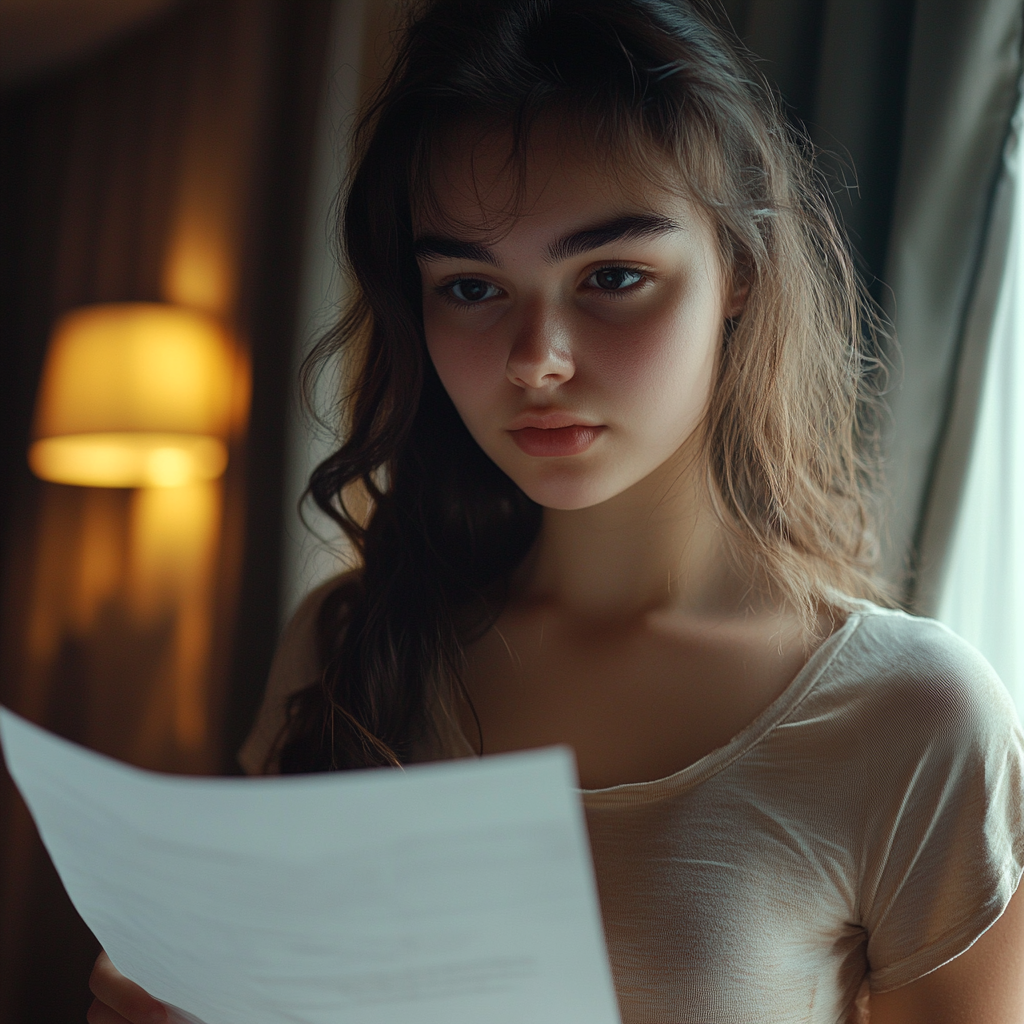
134	395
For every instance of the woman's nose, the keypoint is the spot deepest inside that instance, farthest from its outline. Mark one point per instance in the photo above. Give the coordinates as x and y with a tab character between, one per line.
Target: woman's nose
541	353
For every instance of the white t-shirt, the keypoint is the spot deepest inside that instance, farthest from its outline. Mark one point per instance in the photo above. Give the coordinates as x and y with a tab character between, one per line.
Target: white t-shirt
867	827
869	824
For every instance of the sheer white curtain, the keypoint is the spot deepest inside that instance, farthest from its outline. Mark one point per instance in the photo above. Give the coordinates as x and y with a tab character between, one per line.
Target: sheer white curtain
982	597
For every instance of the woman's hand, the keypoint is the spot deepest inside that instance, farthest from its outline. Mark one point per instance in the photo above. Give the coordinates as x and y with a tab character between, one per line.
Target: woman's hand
118	1000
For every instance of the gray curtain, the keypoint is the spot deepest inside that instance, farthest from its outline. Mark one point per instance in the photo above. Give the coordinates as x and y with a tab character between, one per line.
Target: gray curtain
944	264
912	102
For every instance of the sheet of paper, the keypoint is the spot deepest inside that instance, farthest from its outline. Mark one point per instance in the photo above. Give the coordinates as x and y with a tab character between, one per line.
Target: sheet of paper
455	892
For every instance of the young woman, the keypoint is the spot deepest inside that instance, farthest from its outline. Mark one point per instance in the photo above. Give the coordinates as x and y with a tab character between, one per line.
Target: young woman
607	464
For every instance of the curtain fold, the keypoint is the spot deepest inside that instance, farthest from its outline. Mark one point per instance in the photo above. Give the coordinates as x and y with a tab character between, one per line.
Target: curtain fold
962	90
990	289
977	587
909	103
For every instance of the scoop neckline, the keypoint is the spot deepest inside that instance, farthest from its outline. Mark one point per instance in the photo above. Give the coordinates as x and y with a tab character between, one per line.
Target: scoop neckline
632	794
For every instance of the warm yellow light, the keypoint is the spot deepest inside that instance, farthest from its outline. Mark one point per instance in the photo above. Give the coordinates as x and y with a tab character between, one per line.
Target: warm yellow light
128	460
134	395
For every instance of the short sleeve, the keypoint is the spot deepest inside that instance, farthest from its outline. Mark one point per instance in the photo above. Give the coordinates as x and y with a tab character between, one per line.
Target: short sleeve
947	822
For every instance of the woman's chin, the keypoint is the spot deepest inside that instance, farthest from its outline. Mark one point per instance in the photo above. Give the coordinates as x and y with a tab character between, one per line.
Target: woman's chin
566	490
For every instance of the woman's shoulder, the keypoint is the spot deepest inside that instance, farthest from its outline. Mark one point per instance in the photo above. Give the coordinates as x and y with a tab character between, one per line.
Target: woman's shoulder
914	674
931	758
294	667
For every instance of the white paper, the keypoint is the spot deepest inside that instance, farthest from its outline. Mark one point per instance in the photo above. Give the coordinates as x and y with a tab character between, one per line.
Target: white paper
453	892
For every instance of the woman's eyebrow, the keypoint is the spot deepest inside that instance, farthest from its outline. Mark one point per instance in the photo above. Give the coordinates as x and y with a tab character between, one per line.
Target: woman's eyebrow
634	225
437	247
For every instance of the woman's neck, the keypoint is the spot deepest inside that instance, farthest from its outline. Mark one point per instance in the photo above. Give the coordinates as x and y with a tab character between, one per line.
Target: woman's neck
656	546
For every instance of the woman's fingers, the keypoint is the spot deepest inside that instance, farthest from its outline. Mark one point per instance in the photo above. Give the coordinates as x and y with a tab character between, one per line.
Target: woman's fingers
120	1001
100	1013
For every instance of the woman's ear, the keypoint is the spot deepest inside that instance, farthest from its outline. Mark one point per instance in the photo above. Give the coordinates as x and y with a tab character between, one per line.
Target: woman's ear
738	289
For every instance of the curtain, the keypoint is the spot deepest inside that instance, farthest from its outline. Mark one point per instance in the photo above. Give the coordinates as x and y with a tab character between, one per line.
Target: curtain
962	92
910	102
313	548
171	166
360	44
981	590
841	68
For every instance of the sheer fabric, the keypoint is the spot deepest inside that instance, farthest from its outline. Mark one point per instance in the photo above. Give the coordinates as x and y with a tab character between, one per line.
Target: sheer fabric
982	597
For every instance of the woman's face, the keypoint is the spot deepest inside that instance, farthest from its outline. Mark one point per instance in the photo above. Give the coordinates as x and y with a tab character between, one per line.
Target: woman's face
578	338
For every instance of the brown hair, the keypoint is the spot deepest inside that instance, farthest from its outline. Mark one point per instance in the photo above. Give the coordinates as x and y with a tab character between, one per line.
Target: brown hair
788	440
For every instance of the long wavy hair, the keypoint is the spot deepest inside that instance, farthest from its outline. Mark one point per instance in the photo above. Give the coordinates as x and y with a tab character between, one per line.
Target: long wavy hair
437	526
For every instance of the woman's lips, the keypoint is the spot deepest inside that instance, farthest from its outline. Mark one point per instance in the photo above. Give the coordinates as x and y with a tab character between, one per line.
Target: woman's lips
555	441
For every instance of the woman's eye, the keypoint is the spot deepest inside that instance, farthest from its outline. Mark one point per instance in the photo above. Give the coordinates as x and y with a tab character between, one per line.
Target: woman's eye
471	290
615	279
